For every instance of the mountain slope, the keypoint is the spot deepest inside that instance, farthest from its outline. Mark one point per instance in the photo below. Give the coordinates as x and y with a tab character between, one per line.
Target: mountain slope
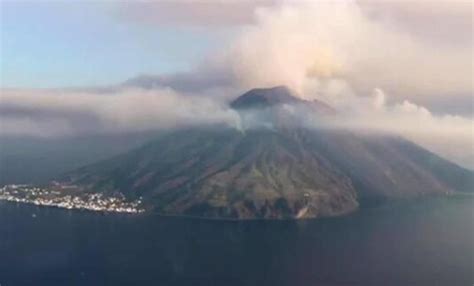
215	173
278	171
382	167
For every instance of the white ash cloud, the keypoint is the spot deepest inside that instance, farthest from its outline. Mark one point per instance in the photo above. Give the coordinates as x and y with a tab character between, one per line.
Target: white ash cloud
417	50
49	113
292	44
451	136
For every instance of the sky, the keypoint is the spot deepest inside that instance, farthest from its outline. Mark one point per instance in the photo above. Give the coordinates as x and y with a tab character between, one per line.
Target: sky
400	66
49	44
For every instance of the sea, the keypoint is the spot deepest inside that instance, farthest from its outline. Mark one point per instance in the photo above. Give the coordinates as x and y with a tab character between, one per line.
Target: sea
423	242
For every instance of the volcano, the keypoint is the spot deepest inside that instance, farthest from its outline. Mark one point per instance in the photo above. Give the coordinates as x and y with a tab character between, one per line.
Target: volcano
275	167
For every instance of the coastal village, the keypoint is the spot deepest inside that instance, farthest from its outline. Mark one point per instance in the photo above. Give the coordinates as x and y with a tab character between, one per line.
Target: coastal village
69	198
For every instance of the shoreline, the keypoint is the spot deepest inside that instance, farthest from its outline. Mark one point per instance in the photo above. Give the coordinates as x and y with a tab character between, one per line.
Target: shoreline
52	206
146	213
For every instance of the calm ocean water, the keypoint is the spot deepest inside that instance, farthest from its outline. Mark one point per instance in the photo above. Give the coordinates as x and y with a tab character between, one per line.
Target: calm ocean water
428	242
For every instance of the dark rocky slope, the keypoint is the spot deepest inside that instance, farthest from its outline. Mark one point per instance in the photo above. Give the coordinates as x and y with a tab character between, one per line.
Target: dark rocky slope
280	169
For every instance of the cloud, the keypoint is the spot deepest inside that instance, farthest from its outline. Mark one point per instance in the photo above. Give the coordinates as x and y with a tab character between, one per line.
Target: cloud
49	113
417	50
293	43
203	78
450	136
187	13
438	21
